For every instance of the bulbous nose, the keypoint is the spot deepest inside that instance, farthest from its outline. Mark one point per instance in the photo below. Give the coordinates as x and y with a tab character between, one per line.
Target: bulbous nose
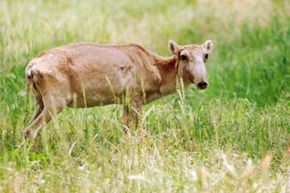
202	85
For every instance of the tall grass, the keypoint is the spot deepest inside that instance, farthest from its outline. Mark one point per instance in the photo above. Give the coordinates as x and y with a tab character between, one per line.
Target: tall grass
232	137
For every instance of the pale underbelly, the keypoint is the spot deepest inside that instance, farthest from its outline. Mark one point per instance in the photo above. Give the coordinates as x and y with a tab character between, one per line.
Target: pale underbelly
102	100
79	101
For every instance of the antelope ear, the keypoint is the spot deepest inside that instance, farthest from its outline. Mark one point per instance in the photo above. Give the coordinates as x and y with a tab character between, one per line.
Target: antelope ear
173	47
208	46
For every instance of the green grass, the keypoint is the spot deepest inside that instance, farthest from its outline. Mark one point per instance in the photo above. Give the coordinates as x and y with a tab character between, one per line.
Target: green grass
232	137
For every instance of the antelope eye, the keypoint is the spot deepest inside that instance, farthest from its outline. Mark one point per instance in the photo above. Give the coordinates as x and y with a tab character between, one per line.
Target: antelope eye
183	57
206	56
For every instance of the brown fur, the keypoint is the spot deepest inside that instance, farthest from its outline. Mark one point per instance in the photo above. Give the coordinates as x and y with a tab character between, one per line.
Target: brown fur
87	75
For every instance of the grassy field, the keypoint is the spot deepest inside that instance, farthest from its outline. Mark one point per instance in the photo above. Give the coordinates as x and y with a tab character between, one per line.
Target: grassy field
232	137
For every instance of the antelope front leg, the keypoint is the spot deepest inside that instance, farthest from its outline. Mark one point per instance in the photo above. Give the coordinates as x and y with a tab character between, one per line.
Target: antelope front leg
126	119
132	112
137	108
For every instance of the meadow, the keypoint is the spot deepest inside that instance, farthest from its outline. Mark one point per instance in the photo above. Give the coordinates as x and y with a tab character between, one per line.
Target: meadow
232	137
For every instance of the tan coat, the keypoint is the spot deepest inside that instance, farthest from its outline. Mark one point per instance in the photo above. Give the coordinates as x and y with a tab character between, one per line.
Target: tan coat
87	75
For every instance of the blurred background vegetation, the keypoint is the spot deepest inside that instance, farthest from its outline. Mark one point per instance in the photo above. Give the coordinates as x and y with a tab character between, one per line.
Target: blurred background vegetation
194	140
